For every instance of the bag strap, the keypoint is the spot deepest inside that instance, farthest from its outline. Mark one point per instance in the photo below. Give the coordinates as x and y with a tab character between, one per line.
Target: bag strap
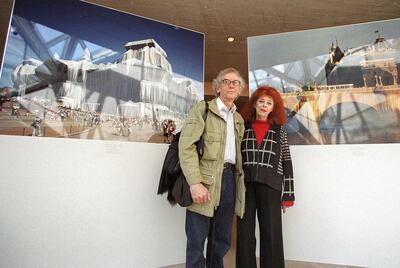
200	142
205	111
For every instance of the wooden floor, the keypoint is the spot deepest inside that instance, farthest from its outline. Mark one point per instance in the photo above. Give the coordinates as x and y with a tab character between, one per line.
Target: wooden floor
229	262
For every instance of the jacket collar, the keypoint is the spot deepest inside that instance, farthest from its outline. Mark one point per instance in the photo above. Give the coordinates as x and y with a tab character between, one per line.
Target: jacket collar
221	106
213	107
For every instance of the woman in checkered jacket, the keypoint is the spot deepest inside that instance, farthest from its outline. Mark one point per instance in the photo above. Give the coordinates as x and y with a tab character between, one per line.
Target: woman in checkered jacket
269	181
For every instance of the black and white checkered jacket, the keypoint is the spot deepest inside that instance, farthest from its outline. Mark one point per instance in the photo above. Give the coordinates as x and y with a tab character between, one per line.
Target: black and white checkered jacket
270	163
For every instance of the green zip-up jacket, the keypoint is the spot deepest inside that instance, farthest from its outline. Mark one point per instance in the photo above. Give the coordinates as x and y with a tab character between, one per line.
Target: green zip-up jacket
209	170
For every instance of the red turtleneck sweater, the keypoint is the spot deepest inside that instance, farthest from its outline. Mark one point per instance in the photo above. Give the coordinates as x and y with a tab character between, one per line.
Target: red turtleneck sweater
260	129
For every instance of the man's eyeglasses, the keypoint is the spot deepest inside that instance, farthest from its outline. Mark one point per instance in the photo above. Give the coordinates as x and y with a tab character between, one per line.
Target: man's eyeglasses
227	82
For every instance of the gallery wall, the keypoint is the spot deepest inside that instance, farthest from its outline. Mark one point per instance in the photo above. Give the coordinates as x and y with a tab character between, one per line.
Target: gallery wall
93	204
346	209
80	203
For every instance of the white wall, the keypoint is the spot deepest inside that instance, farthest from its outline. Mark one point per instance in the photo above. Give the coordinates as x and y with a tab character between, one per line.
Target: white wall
347	206
85	203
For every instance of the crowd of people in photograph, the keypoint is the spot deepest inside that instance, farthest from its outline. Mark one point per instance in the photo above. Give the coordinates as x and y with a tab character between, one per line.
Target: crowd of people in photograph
121	125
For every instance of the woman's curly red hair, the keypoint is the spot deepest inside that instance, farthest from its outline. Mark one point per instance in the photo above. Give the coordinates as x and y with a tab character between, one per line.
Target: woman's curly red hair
276	117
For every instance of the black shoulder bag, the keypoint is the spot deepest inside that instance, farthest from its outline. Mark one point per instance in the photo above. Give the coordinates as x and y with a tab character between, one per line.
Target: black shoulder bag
172	179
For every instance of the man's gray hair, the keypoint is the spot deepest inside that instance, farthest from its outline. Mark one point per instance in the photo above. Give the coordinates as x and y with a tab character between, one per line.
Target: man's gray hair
218	80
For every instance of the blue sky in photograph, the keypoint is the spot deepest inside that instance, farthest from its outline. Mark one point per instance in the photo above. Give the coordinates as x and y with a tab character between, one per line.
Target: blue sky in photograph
294	46
111	29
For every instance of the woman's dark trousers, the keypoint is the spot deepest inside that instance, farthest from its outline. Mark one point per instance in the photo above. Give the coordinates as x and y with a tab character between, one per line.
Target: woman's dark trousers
266	202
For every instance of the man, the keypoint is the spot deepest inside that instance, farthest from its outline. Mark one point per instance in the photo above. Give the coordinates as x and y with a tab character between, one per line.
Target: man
216	182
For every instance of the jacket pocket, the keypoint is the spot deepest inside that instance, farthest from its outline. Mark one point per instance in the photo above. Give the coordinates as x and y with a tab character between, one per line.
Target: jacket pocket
212	145
190	127
208	176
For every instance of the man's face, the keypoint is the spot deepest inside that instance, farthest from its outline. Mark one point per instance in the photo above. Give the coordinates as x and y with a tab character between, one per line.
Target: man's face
229	89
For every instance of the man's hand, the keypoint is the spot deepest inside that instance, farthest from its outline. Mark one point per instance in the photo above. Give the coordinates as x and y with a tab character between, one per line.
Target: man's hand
199	193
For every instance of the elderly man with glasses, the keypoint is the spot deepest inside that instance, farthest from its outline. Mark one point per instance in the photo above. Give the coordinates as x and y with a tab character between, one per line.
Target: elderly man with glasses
216	181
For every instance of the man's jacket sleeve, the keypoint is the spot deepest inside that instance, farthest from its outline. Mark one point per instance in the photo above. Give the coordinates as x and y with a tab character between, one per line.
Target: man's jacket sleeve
191	132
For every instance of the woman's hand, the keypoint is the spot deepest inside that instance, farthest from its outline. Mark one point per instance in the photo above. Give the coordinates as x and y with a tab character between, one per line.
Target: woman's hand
284	209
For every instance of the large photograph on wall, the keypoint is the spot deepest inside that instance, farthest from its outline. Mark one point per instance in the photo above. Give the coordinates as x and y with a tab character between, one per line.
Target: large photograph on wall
340	85
72	69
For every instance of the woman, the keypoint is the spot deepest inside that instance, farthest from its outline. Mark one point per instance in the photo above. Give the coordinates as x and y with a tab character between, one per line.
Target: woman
269	181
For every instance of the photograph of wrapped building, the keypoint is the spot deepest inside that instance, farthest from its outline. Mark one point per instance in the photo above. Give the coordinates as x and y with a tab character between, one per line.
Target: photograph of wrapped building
340	85
61	80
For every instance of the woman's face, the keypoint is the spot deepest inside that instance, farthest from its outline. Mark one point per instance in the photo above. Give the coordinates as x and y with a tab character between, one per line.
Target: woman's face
264	105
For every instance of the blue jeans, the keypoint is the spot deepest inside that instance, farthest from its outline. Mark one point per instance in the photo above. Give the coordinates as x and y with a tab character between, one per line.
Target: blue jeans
216	229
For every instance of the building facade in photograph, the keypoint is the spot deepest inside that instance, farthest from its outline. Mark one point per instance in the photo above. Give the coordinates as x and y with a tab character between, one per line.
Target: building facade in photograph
141	84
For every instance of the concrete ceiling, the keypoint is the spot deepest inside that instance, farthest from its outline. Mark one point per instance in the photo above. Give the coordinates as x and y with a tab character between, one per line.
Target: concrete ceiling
218	19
